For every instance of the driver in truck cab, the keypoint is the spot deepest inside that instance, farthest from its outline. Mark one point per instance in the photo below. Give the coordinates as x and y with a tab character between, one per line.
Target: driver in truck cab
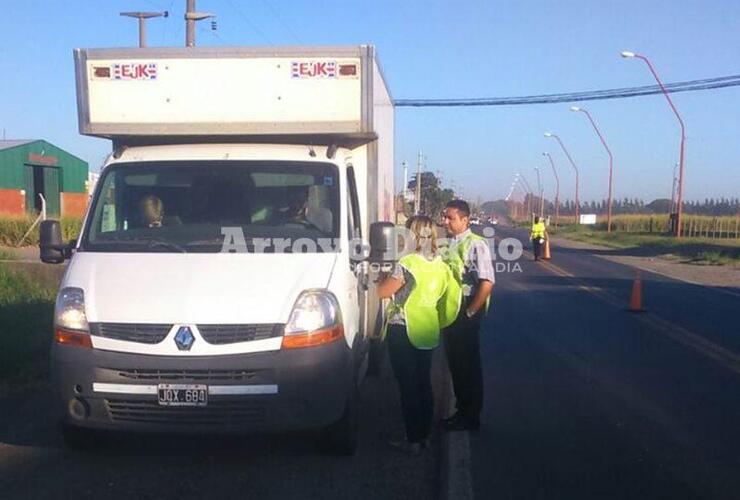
151	209
296	207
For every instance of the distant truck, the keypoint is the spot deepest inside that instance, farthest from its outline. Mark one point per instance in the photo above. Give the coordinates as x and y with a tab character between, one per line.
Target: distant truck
219	283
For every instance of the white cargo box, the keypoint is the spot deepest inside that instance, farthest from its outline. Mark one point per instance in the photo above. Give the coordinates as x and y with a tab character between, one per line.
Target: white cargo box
322	92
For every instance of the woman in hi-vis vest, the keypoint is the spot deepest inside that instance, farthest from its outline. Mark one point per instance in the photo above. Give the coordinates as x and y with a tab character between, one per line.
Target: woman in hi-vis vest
424	298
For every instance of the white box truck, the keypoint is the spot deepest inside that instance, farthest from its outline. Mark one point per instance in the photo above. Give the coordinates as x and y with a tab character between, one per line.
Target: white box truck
216	284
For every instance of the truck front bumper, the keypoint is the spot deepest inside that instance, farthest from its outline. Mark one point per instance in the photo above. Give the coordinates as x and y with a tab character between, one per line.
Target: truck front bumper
259	392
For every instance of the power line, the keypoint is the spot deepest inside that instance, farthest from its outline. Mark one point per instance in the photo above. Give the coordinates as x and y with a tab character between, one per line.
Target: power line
214	33
154	4
687	86
280	20
249	22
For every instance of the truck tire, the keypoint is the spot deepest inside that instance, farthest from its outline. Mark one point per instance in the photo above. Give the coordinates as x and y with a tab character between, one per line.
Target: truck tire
342	436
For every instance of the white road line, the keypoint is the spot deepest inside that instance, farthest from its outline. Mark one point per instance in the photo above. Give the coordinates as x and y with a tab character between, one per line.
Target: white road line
459	463
457	483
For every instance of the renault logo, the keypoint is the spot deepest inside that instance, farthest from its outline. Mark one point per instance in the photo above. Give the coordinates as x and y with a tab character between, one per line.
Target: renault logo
184	338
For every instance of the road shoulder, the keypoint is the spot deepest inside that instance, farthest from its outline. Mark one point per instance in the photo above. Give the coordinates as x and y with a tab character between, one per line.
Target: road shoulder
721	277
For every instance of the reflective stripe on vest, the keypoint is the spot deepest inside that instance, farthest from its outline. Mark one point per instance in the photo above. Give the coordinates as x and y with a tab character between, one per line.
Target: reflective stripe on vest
433	302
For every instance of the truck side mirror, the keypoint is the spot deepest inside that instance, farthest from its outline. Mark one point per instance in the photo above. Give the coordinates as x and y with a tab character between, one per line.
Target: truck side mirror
383	242
50	242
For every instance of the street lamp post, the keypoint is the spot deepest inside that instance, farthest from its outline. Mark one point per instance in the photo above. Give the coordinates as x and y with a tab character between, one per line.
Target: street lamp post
673	189
142	17
526	197
573	164
611	164
557	188
529	197
510	202
679	197
542	194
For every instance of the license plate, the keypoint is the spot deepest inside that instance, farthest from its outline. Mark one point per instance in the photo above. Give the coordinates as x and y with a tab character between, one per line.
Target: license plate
182	395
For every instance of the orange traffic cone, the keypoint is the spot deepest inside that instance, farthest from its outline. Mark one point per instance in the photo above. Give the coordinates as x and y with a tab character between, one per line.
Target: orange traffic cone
546	255
636	298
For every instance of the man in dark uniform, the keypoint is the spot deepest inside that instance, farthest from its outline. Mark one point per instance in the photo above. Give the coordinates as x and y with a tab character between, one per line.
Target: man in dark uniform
470	259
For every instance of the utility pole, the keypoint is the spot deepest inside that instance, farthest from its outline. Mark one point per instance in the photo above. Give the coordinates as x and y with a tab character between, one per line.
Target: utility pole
191	16
142	17
417	196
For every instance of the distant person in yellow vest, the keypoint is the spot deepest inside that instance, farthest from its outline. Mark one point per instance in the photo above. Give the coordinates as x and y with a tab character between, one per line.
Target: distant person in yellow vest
538	237
469	257
424	298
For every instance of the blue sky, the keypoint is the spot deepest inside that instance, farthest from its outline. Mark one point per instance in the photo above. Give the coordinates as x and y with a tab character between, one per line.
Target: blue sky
446	49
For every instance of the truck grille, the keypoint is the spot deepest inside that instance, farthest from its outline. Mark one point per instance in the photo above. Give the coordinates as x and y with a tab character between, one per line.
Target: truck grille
143	333
216	413
187	375
148	333
228	334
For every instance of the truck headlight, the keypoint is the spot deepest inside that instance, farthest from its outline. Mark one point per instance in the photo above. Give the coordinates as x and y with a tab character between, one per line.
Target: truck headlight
315	320
70	321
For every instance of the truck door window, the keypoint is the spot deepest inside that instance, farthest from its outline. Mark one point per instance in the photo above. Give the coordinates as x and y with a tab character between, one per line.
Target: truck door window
354	221
354	205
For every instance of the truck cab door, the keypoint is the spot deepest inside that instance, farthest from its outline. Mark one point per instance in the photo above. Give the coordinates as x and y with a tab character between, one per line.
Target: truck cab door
359	267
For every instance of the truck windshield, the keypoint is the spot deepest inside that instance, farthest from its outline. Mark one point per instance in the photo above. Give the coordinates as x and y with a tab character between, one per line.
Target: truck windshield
214	206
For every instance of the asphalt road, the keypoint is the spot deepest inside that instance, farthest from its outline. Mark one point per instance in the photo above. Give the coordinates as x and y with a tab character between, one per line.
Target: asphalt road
586	400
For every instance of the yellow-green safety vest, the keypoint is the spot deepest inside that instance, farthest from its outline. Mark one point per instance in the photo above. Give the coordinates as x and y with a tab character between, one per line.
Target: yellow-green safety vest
433	303
538	230
455	258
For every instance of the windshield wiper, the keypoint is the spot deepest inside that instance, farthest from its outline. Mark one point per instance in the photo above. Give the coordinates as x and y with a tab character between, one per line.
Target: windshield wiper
156	242
151	243
145	242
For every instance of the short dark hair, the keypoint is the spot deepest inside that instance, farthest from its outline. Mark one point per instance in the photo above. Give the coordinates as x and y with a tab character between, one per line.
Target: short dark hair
536	218
461	206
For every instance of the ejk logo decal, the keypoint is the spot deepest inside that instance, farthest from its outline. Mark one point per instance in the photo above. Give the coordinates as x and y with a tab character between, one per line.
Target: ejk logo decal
134	71
313	69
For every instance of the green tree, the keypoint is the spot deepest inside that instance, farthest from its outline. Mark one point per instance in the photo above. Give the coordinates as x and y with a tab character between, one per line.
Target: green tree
433	196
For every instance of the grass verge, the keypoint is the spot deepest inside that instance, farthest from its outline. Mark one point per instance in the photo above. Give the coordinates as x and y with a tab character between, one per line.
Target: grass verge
12	229
700	251
7	254
26	317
